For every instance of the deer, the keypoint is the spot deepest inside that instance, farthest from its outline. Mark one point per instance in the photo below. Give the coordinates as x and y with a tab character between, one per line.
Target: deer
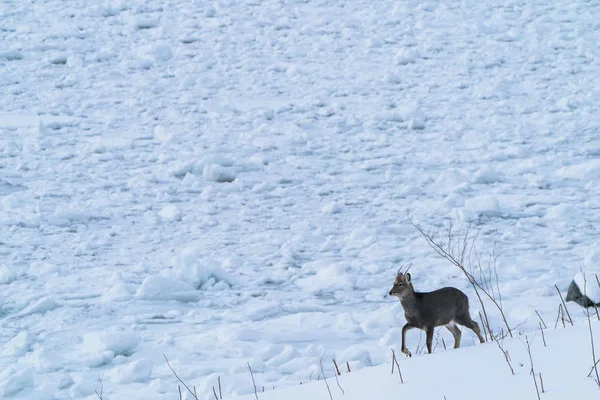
447	306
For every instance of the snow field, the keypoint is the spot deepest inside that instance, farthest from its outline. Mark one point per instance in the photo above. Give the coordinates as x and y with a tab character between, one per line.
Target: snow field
229	182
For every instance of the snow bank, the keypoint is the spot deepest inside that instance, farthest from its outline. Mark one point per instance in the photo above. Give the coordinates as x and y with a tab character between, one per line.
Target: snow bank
218	173
40	307
18	345
160	287
16	380
137	371
120	343
199	272
170	212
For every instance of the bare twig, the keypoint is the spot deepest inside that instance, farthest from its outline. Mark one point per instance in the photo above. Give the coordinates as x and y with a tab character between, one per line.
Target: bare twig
444	343
456	254
558	316
180	395
101	388
254	383
220	392
336	367
506	357
528	347
215	393
324	378
540	317
338	382
543	337
485	328
348	366
179	379
395	360
597	280
587	312
564	305
542	383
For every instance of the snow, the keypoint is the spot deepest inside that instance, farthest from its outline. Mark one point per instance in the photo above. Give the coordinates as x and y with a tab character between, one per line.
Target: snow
465	374
119	343
229	182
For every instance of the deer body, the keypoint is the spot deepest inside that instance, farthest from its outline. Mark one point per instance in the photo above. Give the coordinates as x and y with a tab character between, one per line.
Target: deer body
426	310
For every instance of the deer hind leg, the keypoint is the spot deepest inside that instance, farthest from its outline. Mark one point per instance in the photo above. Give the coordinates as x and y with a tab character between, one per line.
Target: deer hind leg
455	331
472	325
404	329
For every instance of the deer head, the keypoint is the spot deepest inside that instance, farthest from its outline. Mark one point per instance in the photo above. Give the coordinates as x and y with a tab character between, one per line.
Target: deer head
402	284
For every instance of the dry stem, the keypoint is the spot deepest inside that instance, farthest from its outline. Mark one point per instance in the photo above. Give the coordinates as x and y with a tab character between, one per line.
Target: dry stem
394	360
336	367
564	305
540	317
506	357
456	253
338	382
179	379
324	378
101	388
587	312
528	346
543	337
254	383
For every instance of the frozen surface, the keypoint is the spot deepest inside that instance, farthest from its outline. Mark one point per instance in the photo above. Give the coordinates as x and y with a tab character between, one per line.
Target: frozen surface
228	182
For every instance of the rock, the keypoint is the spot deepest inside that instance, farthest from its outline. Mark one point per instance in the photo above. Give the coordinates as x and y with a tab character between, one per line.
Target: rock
574	294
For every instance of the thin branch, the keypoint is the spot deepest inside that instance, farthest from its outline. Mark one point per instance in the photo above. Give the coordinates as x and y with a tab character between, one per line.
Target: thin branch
506	357
543	337
448	255
542	383
528	347
180	395
485	328
254	383
564	305
395	361
338	382
220	392
101	388
587	311
179	379
336	367
348	365
324	378
215	393
540	317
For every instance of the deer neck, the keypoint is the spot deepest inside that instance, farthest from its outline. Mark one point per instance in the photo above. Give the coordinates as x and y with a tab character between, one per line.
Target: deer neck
409	299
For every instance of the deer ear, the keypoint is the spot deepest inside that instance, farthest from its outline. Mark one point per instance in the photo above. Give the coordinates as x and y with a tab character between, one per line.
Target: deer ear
407	276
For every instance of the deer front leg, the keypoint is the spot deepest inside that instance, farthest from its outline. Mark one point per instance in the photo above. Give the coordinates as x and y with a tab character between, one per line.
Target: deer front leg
404	329
429	338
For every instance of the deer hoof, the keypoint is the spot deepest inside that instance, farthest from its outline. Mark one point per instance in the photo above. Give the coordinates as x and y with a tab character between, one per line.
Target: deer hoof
405	351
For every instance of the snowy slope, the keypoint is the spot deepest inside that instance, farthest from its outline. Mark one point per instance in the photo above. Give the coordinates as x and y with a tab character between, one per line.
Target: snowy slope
562	357
228	182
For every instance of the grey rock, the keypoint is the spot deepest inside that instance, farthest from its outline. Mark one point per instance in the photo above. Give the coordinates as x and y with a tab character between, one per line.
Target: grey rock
574	294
